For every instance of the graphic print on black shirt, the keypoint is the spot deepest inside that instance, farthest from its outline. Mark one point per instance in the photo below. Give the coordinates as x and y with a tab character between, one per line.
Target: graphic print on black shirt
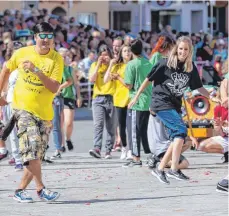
179	83
170	85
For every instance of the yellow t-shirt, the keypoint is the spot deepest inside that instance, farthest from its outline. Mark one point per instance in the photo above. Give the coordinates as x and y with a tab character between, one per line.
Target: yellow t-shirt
29	93
101	88
121	95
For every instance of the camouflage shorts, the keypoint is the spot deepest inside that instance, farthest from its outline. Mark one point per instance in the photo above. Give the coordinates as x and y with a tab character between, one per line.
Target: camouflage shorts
33	134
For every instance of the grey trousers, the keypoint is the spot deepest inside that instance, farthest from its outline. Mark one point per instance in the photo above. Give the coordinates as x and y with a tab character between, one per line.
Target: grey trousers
103	112
158	138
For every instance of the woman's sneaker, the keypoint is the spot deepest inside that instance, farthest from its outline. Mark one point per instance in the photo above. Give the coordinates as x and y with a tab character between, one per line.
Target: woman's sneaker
56	155
129	155
18	167
123	154
22	196
48	195
63	149
133	163
160	175
3	155
12	162
177	174
70	145
95	153
222	186
108	155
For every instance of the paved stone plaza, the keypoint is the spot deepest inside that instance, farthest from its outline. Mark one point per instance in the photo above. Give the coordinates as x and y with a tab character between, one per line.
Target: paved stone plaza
99	187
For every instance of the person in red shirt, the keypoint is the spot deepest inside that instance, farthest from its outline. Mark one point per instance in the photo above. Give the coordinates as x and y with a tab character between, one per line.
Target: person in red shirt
218	143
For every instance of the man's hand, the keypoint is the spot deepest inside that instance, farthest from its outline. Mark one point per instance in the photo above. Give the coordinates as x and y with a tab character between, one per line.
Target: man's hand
3	102
28	66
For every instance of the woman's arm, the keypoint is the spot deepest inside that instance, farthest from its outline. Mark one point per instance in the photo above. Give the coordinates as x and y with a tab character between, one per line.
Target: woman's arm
66	84
93	76
121	80
208	50
107	76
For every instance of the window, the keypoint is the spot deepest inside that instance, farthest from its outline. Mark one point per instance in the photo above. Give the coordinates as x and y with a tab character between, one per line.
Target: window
87	18
122	20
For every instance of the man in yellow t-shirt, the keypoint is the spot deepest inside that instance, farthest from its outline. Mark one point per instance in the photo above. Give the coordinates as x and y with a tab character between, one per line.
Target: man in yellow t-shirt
40	71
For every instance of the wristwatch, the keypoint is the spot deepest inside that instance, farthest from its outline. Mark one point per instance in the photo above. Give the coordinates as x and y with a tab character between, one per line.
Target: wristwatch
36	70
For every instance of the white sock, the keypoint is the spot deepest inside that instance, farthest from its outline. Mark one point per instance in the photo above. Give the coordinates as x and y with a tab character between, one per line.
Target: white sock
3	150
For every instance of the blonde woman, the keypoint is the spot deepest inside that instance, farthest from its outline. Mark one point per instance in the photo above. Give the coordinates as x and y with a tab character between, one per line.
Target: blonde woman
116	72
171	77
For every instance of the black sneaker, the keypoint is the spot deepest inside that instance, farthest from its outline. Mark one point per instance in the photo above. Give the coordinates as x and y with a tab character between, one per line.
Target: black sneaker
95	153
225	157
152	161
177	175
47	160
222	186
133	163
63	149
161	176
70	145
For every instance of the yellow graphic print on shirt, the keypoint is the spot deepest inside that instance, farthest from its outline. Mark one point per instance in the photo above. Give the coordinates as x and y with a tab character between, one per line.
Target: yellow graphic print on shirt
29	93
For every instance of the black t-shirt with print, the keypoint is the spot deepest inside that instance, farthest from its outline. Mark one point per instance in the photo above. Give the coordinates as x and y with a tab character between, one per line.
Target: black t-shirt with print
170	84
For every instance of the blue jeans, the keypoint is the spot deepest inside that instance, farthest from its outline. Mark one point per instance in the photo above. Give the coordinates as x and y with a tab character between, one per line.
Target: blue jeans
174	123
8	112
58	108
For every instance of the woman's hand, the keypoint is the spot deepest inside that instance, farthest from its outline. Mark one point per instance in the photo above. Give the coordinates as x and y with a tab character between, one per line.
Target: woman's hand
218	122
114	76
79	102
195	142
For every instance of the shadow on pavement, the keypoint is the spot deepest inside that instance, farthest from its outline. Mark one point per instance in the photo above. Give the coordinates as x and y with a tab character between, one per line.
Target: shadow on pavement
118	200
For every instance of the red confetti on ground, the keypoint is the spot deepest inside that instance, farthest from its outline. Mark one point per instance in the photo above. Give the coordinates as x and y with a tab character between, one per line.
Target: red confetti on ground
10	196
207	173
58	171
87	203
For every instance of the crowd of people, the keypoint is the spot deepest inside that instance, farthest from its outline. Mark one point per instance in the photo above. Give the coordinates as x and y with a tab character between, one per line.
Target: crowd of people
138	85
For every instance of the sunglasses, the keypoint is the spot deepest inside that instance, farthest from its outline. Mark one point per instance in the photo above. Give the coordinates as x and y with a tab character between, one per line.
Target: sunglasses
43	36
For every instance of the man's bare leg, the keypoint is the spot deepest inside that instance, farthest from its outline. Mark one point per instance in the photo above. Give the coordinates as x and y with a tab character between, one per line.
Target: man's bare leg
32	171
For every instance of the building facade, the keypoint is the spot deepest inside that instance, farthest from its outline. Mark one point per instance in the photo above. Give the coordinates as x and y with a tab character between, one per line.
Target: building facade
89	12
187	16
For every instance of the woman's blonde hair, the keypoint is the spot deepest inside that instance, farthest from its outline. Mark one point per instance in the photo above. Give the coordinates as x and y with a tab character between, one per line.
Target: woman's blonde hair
173	57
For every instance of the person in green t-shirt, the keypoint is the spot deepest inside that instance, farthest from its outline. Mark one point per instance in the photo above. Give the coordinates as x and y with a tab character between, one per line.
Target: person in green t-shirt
138	116
64	107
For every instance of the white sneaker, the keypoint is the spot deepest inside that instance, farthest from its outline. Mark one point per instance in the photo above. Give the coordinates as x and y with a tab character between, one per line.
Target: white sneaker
123	154
129	155
108	155
56	155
